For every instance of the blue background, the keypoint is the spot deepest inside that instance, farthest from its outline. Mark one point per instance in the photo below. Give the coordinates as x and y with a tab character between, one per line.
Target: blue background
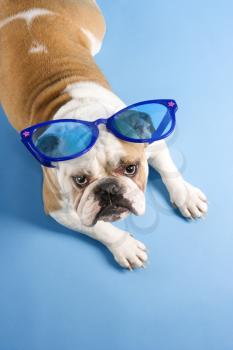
60	290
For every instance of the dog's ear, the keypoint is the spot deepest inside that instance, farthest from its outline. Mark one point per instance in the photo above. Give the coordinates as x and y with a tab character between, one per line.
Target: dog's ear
51	191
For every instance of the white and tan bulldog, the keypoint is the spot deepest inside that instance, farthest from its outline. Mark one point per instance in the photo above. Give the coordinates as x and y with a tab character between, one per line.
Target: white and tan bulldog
47	71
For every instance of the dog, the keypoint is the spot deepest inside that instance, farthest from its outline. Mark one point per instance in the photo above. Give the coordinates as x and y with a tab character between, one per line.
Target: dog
48	72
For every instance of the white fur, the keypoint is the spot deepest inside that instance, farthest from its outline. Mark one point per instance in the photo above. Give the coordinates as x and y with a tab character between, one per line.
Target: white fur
90	101
190	200
38	48
95	44
28	16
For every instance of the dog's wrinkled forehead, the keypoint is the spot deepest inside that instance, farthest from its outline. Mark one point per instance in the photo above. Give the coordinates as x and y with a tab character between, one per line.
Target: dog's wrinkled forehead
107	152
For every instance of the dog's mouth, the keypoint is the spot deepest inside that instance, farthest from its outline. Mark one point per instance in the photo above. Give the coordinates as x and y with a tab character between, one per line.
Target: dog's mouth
113	212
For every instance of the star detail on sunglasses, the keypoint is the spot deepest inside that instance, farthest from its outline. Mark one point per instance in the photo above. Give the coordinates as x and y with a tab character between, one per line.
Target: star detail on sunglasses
26	133
171	104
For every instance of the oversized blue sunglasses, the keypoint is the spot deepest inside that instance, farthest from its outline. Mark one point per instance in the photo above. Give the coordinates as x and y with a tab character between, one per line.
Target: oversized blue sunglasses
63	139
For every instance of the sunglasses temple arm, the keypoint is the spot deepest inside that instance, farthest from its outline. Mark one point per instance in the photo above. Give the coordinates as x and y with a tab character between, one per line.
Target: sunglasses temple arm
164	123
41	161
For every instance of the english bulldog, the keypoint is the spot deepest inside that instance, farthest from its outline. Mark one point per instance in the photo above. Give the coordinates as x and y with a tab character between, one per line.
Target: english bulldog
47	71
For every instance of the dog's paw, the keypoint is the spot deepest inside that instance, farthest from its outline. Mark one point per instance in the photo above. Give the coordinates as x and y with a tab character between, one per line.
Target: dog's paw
191	201
130	253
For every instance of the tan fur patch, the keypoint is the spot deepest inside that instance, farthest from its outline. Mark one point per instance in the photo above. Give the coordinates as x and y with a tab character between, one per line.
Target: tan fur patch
31	85
51	192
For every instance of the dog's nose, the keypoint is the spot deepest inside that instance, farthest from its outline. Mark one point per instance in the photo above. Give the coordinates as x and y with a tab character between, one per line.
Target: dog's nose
108	192
109	187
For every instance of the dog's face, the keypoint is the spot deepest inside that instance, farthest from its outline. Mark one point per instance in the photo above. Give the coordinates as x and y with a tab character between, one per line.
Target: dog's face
107	183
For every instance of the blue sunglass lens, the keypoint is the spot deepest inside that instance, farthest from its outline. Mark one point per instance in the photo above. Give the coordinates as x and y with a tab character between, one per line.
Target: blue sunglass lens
145	121
63	139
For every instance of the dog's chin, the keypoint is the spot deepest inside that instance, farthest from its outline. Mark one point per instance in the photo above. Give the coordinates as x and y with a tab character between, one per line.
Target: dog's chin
111	214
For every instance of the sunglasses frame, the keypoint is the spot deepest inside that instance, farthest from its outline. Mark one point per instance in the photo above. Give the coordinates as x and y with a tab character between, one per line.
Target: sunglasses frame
27	134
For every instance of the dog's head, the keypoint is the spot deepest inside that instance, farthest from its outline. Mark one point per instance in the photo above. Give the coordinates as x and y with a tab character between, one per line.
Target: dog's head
107	183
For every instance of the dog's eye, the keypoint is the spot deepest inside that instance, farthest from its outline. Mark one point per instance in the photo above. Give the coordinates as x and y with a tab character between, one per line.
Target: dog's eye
81	181
131	170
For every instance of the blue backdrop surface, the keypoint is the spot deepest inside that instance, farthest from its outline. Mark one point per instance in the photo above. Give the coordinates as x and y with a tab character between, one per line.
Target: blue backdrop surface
60	290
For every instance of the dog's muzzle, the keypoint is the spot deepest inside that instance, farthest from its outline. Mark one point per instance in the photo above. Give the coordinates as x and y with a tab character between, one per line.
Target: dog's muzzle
109	194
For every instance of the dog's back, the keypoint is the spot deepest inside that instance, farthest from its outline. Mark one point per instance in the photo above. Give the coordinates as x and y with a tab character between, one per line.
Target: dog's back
44	46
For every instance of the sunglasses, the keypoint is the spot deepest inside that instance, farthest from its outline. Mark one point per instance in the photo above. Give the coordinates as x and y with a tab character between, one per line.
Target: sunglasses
64	139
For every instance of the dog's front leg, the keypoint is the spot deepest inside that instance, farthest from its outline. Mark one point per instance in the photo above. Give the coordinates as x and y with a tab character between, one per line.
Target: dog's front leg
189	199
127	251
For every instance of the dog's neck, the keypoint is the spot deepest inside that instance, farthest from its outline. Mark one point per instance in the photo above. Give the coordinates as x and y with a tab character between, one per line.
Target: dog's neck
89	101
